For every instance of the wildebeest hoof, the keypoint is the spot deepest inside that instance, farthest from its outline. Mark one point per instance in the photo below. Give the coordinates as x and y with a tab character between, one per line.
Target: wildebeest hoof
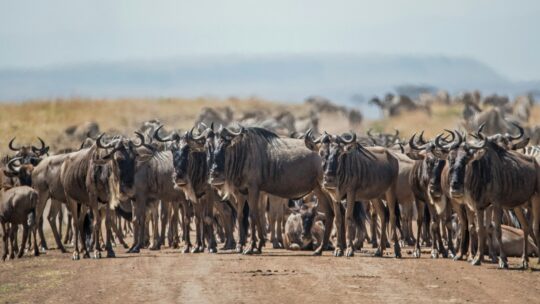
476	262
75	256
110	254
196	249
349	252
434	254
249	251
417	253
374	245
458	257
378	253
503	264
62	250
212	250
43	249
338	252
134	250
524	264
276	245
97	254
154	248
125	246
186	249
450	255
317	252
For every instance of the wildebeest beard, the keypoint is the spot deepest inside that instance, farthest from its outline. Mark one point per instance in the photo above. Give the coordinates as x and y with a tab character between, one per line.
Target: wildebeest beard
253	151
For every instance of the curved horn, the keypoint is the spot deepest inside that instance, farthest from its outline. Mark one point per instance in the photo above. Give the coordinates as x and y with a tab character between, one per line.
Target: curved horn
369	132
101	145
143	143
201	136
458	142
421	139
352	140
236	133
452	134
520	135
479	133
439	144
161	139
11	147
12	162
413	145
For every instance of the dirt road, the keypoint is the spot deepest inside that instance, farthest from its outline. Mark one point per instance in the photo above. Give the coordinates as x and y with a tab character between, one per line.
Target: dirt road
276	276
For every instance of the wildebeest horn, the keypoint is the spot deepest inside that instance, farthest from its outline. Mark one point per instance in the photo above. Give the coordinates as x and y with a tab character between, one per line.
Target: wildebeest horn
479	133
520	135
101	145
483	145
369	132
413	145
201	136
11	147
41	150
12	162
172	137
458	142
212	126
421	139
352	140
451	134
236	133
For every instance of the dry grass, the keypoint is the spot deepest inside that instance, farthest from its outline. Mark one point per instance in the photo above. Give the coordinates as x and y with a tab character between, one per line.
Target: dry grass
49	118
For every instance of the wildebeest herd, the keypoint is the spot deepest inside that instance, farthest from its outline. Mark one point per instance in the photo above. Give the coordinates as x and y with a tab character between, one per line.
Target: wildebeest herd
466	192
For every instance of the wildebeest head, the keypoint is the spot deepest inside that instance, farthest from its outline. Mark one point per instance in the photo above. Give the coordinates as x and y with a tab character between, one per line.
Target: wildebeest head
459	154
225	139
16	169
126	156
432	162
338	151
29	154
320	145
309	214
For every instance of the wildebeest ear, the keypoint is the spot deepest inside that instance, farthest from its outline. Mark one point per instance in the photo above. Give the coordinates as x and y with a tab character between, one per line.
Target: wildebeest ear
320	216
479	153
416	155
10	173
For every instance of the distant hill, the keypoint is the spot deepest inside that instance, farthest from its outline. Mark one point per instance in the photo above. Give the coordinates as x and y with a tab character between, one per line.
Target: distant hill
287	77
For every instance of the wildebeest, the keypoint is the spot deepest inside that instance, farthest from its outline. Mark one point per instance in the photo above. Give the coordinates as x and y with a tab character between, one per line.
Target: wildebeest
304	228
191	175
487	174
357	173
144	176
88	180
17	207
255	160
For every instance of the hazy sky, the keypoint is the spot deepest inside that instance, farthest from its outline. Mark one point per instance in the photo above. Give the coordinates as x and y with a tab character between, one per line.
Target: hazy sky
501	33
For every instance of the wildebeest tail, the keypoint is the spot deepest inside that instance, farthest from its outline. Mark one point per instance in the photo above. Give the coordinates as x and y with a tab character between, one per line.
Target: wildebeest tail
359	213
427	215
397	212
127	215
87	229
513	220
245	220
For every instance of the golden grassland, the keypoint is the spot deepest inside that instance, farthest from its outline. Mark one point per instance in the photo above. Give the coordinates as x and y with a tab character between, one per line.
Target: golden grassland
49	118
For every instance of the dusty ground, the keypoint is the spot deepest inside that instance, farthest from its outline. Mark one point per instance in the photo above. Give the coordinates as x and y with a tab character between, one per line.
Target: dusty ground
276	276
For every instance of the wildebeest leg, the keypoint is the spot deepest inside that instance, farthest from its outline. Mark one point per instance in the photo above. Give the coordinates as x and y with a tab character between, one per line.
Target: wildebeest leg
199	222
481	231
392	205
69	232
186	221
419	221
24	240
73	209
449	232
5	232
434	228
44	245
255	224
164	217
497	216
173	226
350	224
108	226
374	226
279	222
54	211
156	238
139	217
473	236
12	237
380	210
208	209
241	225
340	228
326	206
535	206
